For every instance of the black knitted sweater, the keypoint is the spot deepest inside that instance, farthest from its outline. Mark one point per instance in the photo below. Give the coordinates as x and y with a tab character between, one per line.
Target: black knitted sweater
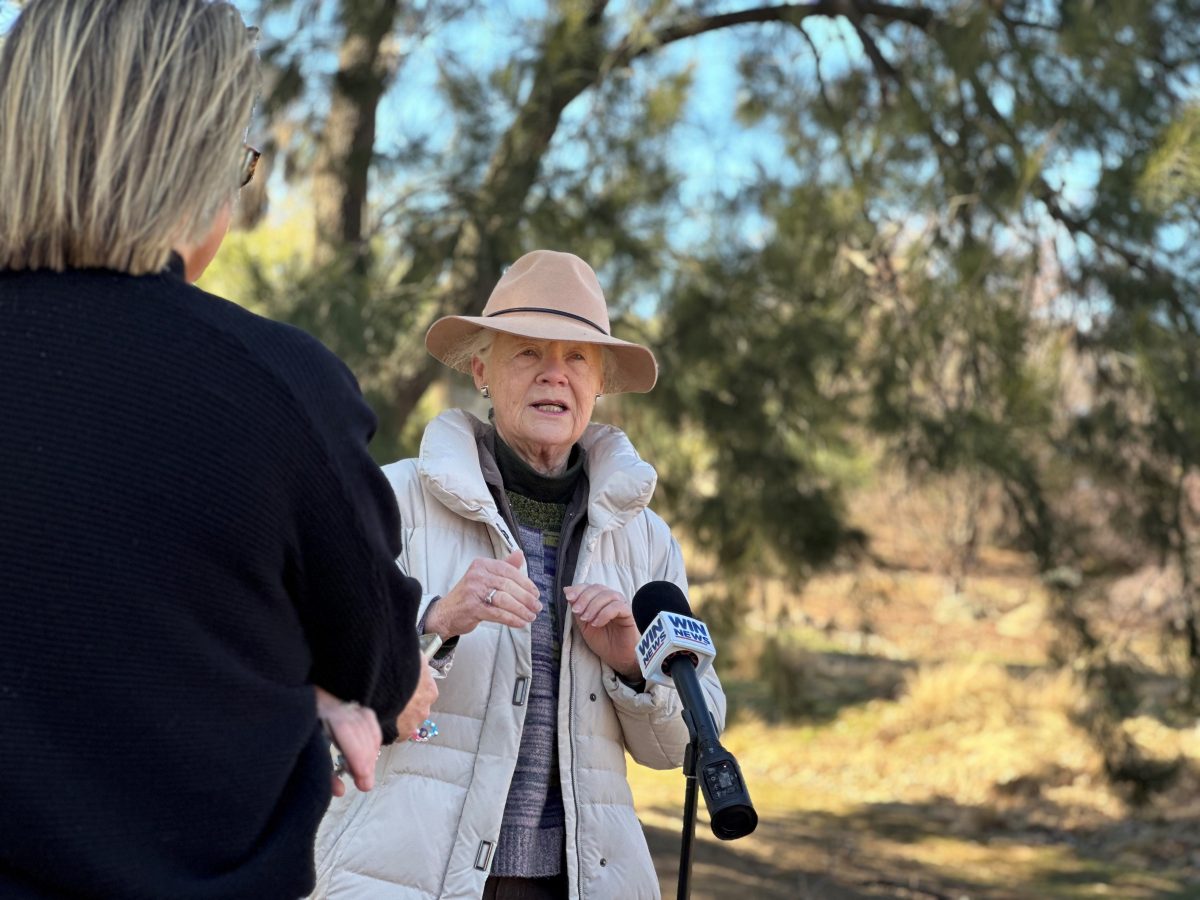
192	534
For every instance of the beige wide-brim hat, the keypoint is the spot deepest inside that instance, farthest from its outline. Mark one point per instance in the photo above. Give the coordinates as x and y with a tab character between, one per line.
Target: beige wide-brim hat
549	296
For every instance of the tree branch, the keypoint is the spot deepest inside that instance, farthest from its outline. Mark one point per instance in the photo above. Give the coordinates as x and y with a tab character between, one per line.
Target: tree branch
1136	261
631	48
852	10
574	59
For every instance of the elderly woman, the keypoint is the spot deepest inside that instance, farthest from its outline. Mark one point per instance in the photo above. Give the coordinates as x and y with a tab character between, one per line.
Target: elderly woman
193	534
530	534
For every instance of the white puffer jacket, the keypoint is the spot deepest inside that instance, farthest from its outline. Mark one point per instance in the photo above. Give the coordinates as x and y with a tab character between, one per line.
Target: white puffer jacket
429	827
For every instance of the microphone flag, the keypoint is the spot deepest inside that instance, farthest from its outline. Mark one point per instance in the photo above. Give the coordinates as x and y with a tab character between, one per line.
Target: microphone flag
668	636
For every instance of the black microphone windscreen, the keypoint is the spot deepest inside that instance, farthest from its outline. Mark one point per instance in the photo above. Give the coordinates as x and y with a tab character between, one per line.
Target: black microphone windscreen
656	597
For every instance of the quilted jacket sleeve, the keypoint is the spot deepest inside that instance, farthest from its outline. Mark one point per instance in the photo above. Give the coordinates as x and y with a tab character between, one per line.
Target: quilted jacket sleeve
652	722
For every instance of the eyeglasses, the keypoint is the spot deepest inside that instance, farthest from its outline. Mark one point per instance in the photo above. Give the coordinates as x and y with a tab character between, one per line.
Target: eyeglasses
249	163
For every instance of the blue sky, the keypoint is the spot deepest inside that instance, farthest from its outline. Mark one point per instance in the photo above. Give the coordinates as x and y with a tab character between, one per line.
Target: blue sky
715	155
707	147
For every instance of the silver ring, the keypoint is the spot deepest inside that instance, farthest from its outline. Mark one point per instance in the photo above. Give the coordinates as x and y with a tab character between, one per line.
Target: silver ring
490	599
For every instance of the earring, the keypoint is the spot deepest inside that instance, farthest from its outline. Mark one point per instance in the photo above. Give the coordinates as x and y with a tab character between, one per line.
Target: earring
484	391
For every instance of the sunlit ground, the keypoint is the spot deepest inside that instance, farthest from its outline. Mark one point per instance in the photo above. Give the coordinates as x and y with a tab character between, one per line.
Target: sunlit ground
926	749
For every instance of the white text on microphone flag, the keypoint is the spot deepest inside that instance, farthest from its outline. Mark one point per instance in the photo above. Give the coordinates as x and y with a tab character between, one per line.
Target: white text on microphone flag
670	634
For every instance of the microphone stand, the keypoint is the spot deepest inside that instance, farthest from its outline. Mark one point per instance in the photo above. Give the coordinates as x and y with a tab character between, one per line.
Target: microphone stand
689	813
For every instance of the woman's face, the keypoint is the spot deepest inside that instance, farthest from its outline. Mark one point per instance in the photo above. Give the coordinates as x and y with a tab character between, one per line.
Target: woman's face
197	256
543	393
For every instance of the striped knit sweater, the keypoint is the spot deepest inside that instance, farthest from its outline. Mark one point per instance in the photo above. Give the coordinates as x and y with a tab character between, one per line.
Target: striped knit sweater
534	826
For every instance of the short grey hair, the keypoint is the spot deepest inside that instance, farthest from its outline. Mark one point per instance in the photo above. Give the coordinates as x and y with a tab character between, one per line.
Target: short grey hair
480	344
121	125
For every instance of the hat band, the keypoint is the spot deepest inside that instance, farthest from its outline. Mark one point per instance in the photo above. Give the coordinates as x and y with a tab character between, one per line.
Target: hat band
553	312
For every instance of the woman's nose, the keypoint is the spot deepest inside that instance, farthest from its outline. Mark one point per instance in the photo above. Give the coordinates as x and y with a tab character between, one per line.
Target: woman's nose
553	369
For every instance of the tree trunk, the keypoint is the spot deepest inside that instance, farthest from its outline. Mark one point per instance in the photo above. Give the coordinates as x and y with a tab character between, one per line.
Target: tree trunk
347	141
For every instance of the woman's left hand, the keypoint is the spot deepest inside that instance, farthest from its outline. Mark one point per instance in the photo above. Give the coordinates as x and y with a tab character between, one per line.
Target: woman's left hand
606	622
356	732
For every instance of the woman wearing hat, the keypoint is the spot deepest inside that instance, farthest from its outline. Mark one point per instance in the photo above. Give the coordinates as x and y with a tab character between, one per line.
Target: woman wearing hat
530	535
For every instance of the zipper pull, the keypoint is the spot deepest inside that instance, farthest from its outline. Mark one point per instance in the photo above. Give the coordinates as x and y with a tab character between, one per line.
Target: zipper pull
504	535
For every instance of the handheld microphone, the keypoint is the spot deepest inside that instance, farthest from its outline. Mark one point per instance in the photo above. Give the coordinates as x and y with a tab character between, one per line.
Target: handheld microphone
668	631
675	648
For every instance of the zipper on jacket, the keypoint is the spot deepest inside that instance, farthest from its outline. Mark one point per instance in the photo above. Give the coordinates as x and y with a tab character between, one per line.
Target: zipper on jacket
509	540
574	771
567	538
580	572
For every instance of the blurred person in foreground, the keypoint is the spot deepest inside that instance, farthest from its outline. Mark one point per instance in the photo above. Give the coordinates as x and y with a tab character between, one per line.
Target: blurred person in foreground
192	534
530	535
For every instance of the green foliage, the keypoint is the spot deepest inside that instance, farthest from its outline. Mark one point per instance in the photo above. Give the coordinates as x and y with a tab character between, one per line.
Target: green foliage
758	351
1170	182
965	230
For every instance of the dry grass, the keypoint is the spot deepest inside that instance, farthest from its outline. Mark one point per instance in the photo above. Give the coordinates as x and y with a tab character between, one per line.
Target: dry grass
903	735
973	781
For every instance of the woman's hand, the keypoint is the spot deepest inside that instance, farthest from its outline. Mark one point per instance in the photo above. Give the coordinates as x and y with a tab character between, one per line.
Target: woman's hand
491	590
606	622
419	705
355	731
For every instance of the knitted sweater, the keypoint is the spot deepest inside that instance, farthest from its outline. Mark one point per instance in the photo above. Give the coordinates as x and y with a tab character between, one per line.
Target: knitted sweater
533	828
191	535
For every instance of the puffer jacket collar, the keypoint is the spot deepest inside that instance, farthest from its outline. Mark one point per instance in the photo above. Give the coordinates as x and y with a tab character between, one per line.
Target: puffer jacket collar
622	483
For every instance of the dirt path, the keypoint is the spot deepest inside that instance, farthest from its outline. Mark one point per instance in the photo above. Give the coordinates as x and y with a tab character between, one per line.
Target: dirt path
866	856
730	871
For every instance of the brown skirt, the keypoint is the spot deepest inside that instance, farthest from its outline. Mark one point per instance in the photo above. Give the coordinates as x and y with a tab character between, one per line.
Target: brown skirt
554	887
